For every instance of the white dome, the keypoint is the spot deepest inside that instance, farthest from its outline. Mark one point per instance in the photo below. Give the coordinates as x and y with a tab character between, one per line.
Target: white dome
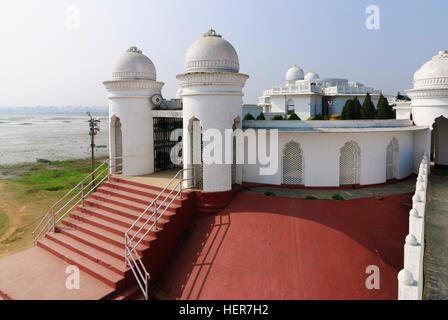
211	53
312	76
133	65
294	73
433	73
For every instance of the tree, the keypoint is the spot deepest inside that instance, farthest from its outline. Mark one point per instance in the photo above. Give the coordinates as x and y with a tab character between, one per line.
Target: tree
356	109
368	108
261	116
294	116
277	117
384	110
347	111
248	116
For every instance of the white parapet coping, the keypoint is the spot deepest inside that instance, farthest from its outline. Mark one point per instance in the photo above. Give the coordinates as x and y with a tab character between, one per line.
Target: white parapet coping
410	279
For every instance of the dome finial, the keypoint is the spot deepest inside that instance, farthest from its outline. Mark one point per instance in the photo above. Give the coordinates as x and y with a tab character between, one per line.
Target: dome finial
134	49
212	33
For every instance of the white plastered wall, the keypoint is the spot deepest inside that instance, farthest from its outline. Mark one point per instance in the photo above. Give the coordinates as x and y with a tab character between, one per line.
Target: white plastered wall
321	152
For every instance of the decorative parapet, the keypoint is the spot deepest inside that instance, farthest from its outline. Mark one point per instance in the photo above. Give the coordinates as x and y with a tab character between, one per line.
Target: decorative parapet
410	279
212	79
427	93
123	85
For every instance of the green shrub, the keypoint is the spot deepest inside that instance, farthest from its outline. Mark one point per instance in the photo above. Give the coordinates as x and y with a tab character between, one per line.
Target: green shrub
278	117
318	117
294	116
261	116
248	116
270	194
337	197
311	198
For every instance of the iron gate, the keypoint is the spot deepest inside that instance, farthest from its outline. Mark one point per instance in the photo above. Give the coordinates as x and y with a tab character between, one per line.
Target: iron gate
163	127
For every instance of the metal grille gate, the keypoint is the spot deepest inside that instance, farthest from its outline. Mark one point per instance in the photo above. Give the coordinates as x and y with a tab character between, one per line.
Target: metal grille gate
163	144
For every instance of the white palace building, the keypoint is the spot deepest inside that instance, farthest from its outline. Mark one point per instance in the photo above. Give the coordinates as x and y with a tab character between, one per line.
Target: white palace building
145	128
308	95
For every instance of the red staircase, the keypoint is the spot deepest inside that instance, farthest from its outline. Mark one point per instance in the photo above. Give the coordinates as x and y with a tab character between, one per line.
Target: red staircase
92	236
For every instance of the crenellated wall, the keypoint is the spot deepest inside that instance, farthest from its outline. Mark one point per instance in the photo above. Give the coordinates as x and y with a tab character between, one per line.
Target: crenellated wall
410	279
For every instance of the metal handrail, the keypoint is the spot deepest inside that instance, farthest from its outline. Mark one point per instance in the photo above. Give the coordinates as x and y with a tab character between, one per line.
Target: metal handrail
132	258
51	217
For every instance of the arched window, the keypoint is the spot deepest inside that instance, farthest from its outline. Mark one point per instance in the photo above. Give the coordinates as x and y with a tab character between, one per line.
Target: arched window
349	164
292	164
196	149
116	145
290	107
235	167
439	144
392	160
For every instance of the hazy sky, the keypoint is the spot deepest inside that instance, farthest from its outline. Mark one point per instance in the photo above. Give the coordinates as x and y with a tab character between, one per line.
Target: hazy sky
45	62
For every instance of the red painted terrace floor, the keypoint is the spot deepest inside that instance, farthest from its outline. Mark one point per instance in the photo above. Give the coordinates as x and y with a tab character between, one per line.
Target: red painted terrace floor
261	247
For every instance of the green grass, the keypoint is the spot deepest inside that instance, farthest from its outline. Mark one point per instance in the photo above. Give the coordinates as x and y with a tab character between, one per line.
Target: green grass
4	223
55	176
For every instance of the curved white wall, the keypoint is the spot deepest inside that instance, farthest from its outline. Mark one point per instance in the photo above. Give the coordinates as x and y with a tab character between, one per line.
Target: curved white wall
321	152
133	107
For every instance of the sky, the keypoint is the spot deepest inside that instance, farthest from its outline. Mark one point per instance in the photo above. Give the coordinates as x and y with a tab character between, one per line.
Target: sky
58	52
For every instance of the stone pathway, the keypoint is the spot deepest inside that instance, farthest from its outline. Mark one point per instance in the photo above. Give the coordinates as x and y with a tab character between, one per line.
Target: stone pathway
436	237
326	194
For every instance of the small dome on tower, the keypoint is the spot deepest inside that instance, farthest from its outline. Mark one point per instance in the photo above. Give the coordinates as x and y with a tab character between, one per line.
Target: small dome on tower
211	53
133	65
294	73
432	72
312	76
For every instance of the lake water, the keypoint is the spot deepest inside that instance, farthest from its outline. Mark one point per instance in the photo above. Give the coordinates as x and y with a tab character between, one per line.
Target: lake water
60	136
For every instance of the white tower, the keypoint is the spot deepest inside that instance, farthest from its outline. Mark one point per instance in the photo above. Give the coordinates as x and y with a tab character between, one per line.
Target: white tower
212	99
430	103
131	93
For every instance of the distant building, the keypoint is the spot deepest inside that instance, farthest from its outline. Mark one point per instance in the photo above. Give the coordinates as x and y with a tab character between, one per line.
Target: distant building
308	95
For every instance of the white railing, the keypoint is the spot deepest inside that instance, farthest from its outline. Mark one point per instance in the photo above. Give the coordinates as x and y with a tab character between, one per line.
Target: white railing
350	90
132	257
72	199
410	279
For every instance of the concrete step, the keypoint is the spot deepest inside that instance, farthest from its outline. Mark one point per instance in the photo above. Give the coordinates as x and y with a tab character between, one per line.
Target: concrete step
102	234
120	220
115	179
111	227
96	270
145	200
94	242
120	207
100	257
138	208
139	191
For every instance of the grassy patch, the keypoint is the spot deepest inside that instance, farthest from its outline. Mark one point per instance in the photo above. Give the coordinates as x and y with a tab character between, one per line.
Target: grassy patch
54	176
4	223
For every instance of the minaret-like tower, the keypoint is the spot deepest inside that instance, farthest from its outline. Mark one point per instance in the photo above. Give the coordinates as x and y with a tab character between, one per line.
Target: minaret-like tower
131	93
212	99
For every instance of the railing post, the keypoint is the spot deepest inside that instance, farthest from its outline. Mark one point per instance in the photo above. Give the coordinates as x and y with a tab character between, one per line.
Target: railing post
147	286
82	194
53	220
180	184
